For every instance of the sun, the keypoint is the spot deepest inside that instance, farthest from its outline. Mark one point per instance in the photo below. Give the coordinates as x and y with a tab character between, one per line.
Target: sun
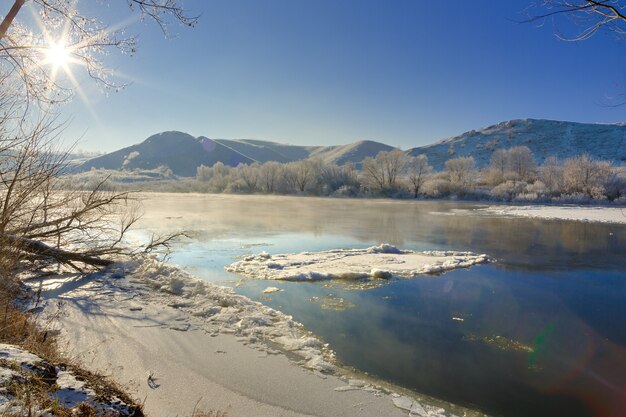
58	55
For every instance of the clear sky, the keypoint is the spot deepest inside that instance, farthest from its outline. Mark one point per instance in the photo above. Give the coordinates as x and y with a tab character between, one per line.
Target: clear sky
403	72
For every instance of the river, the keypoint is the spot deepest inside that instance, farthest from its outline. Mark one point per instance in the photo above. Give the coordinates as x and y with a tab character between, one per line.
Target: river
541	331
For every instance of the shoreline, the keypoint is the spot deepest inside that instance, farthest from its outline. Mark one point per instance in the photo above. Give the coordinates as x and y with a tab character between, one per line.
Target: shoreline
587	214
150	327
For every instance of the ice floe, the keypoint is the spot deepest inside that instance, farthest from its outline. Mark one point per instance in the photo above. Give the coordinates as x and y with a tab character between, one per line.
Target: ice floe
383	261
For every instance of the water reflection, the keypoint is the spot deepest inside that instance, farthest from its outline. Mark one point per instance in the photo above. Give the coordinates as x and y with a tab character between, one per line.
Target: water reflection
541	332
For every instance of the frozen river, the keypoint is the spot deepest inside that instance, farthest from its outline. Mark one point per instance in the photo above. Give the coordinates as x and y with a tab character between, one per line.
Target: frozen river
539	332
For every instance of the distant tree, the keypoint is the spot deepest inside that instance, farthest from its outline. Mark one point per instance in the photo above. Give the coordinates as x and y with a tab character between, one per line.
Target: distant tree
498	166
583	174
332	177
249	174
499	161
419	171
551	174
521	162
381	173
204	173
461	171
299	174
394	162
374	173
269	175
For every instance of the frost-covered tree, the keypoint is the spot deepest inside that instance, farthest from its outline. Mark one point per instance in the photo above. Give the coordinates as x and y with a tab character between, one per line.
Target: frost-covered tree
419	171
461	171
299	175
40	52
332	177
521	162
382	172
249	174
583	174
499	161
551	174
269	176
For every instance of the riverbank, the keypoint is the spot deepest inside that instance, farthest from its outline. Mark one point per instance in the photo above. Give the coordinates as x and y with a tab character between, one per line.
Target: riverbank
180	343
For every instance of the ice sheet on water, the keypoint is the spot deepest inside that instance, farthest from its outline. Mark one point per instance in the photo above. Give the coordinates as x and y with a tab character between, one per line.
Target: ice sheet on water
382	261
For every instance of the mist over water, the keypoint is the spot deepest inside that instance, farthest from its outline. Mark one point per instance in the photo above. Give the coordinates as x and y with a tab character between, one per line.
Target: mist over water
539	332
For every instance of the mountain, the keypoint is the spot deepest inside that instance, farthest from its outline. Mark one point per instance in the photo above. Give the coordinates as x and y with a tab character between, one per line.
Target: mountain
181	152
543	137
262	151
353	153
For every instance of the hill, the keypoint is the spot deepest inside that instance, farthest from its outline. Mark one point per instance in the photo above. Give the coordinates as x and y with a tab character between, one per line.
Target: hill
179	151
544	138
183	153
353	153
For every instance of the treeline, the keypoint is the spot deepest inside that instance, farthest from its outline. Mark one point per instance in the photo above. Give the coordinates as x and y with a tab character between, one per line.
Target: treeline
512	175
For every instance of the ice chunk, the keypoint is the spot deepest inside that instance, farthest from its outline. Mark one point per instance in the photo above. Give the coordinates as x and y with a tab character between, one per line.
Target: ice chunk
383	261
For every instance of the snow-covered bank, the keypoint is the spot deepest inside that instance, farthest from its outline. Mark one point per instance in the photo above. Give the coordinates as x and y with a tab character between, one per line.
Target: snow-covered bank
52	386
383	261
175	340
575	213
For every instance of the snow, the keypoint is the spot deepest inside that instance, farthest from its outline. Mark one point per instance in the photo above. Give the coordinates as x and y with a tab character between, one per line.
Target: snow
544	138
270	290
575	213
231	352
67	389
17	355
383	261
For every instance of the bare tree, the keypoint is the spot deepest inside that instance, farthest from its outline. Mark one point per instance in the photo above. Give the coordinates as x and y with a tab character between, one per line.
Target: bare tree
461	171
589	16
39	221
269	175
583	174
250	175
381	173
499	162
551	174
521	162
374	173
33	58
299	174
419	170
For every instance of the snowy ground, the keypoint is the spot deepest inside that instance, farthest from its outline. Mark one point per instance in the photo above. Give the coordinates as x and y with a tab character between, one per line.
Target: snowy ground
583	214
382	261
21	367
180	343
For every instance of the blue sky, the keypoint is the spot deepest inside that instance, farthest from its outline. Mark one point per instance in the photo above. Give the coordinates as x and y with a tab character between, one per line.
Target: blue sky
403	72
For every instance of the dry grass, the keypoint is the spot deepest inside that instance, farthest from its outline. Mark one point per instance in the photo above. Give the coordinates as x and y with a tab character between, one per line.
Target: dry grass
20	328
35	390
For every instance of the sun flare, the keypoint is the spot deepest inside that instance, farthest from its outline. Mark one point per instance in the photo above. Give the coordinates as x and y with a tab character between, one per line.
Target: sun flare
57	54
